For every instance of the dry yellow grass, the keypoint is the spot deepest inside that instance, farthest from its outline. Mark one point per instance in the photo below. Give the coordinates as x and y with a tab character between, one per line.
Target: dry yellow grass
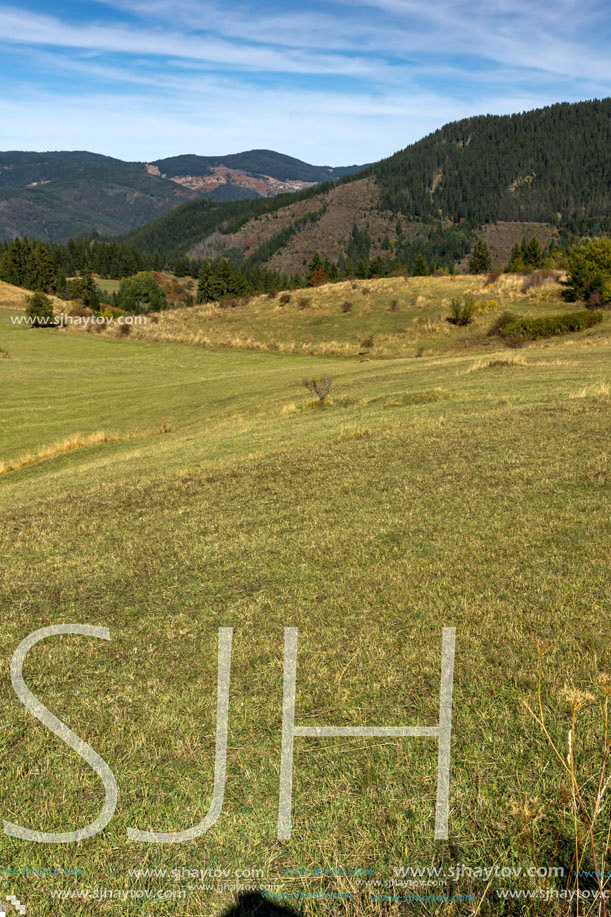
494	362
15	298
177	335
76	441
598	391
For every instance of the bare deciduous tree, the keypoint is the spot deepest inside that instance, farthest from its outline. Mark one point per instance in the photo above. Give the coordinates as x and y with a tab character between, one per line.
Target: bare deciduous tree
318	387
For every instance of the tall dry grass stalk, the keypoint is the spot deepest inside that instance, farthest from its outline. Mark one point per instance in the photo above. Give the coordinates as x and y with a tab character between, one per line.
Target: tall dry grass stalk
586	793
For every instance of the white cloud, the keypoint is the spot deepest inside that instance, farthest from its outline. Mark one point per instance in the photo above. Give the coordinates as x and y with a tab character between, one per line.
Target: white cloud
354	82
221	116
17	26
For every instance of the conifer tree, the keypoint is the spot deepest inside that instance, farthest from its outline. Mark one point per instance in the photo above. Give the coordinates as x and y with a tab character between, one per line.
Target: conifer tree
420	268
40	309
480	260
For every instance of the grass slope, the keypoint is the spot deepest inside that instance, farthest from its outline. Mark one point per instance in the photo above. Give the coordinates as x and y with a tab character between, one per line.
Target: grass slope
388	317
453	489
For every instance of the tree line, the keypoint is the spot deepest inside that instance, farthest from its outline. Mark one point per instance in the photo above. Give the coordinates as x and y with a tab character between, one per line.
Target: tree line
67	269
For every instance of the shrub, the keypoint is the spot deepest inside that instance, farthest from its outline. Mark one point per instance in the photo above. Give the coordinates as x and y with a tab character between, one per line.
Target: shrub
367	343
285	298
462	311
365	291
505	318
590	273
318	387
80	312
347	306
303	302
317	277
125	330
394	305
548	325
40	309
4	354
141	293
534	280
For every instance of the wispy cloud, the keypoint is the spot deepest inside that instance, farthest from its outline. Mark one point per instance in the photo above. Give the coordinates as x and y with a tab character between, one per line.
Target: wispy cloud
348	80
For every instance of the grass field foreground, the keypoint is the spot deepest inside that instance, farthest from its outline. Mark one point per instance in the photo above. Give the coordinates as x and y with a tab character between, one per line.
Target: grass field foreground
467	488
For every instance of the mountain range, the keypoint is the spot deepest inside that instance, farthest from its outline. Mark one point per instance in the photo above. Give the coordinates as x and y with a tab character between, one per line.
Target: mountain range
545	172
59	195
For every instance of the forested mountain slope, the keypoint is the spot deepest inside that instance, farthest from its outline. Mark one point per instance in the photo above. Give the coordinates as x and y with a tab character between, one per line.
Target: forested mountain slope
550	168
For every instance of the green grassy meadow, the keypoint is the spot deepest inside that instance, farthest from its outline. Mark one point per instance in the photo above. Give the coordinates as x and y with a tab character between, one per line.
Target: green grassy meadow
466	487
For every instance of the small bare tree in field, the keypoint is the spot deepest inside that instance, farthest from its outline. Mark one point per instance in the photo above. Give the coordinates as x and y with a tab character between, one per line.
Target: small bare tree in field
318	387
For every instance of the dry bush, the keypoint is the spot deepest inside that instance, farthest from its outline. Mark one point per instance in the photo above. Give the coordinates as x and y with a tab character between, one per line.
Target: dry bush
318	387
347	306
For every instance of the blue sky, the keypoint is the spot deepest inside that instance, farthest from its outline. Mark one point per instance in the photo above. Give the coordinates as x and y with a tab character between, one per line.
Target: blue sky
332	83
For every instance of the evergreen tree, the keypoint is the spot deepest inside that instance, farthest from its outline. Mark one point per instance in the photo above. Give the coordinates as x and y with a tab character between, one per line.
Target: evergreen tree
40	309
480	260
531	253
377	267
60	283
314	266
90	293
204	290
420	268
515	259
8	268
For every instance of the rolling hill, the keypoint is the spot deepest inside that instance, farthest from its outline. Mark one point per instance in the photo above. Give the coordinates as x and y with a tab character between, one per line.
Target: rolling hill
56	196
59	195
256	173
542	172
